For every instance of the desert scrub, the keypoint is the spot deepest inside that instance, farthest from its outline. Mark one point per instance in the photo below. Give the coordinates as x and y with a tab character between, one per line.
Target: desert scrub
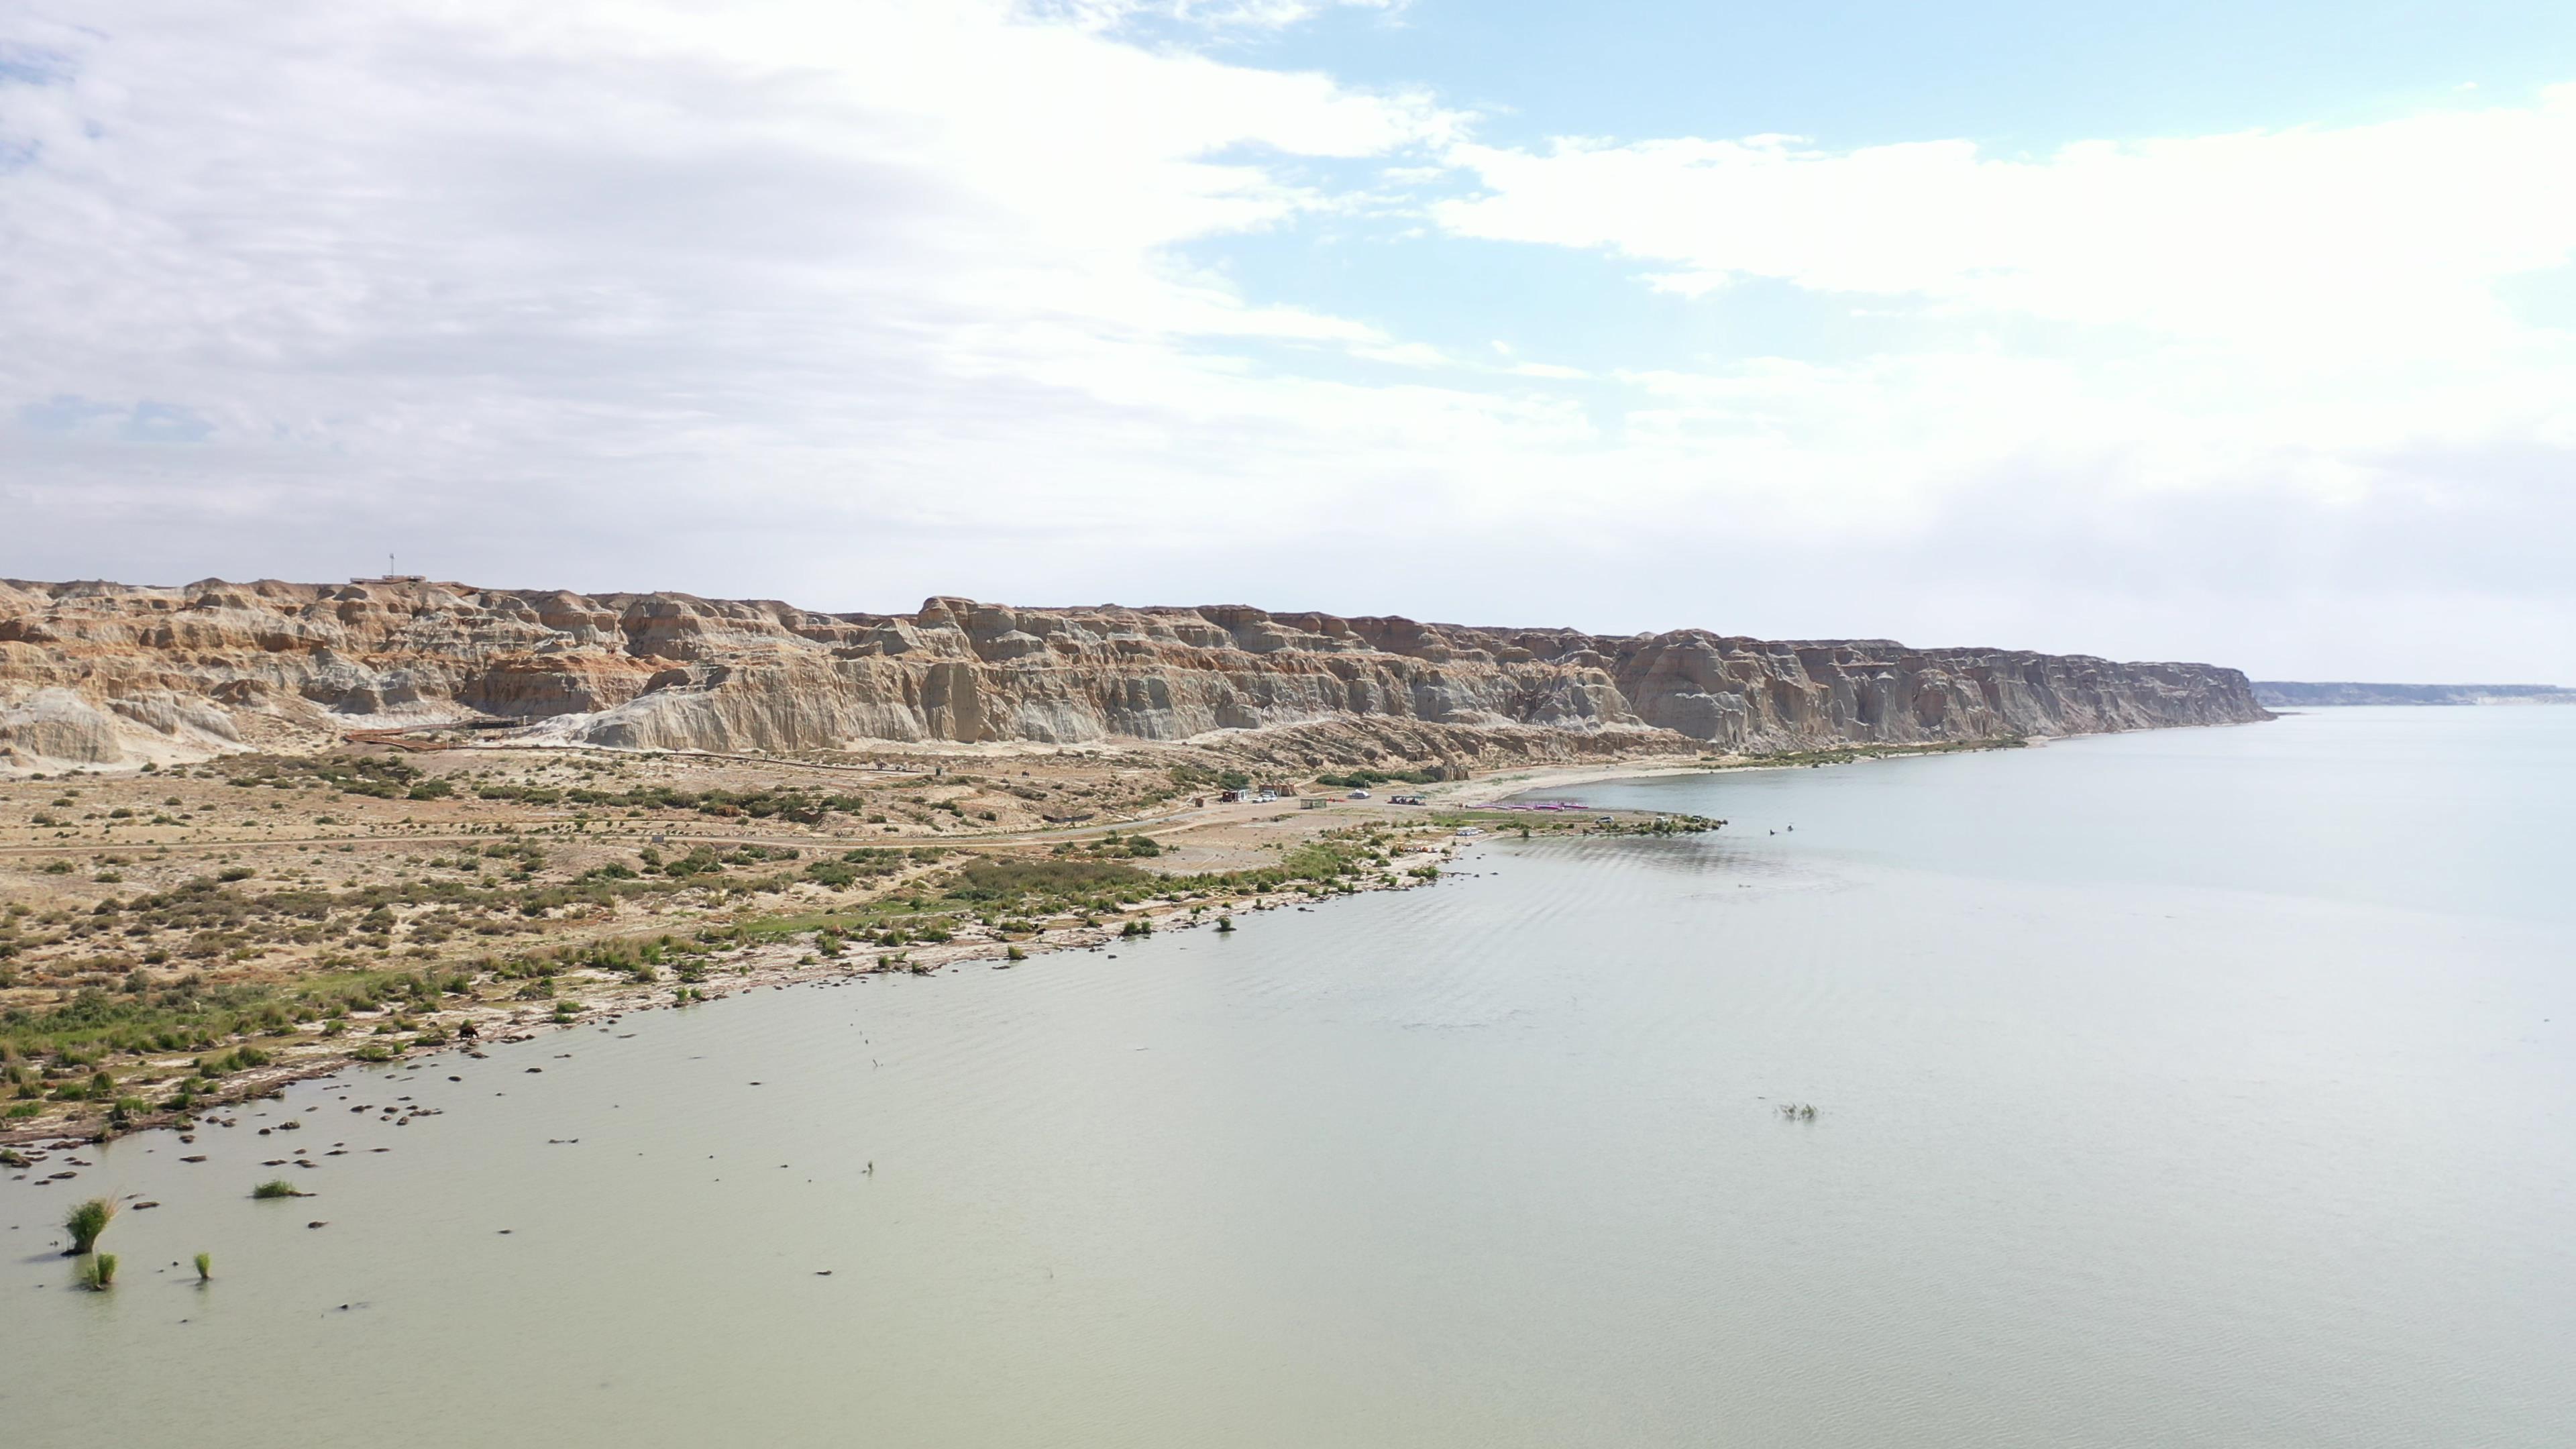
1361	779
1007	879
192	1014
85	1222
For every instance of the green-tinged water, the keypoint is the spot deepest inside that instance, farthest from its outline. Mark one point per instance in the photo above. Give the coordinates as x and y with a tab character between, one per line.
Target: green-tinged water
2209	1087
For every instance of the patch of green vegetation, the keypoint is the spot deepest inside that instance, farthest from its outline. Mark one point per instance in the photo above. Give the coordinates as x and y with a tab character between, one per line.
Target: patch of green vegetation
1200	777
191	1015
1847	754
382	777
1006	878
86	1221
803	807
1362	779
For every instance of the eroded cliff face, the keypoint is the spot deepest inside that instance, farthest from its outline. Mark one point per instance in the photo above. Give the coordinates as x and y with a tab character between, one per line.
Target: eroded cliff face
103	674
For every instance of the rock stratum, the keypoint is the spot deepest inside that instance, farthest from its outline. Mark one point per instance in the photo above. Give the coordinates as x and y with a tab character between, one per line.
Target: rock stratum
97	674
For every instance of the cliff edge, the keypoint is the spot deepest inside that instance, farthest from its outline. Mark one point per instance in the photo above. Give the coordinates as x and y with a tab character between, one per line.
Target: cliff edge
108	674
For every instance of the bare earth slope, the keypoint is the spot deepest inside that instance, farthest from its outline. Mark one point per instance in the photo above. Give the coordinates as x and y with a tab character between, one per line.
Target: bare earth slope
107	674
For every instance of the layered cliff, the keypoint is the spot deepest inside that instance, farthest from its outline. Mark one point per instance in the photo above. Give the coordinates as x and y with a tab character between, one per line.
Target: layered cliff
104	674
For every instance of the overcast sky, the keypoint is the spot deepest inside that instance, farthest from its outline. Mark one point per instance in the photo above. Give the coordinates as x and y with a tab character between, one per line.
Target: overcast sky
2194	334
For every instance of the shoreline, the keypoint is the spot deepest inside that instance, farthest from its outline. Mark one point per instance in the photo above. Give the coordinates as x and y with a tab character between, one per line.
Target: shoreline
1521	781
790	961
794	956
1502	786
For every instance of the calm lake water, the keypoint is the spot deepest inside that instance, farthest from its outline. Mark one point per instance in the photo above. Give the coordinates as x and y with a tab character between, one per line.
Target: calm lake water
2206	1087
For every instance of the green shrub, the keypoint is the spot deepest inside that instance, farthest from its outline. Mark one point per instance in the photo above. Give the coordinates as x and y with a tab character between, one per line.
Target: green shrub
274	1188
85	1222
1362	779
1009	879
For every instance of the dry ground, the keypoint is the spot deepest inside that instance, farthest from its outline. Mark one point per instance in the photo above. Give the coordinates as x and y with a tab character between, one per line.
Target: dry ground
178	938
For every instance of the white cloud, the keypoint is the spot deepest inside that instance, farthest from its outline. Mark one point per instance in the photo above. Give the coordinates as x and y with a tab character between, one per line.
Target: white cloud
852	304
1218	15
2300	338
458	240
2387	237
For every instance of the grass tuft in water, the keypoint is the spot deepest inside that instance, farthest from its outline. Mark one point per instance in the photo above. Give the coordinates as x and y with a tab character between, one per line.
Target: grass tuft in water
205	1267
98	1273
275	1187
85	1222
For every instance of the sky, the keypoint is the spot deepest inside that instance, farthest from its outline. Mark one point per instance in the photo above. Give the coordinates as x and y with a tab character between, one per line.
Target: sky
2228	332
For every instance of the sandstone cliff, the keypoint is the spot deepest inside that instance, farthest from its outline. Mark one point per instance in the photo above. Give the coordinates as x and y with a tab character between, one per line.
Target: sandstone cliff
103	674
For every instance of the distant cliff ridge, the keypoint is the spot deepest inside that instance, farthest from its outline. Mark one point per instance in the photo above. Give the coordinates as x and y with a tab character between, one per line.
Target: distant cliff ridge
2293	694
95	673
